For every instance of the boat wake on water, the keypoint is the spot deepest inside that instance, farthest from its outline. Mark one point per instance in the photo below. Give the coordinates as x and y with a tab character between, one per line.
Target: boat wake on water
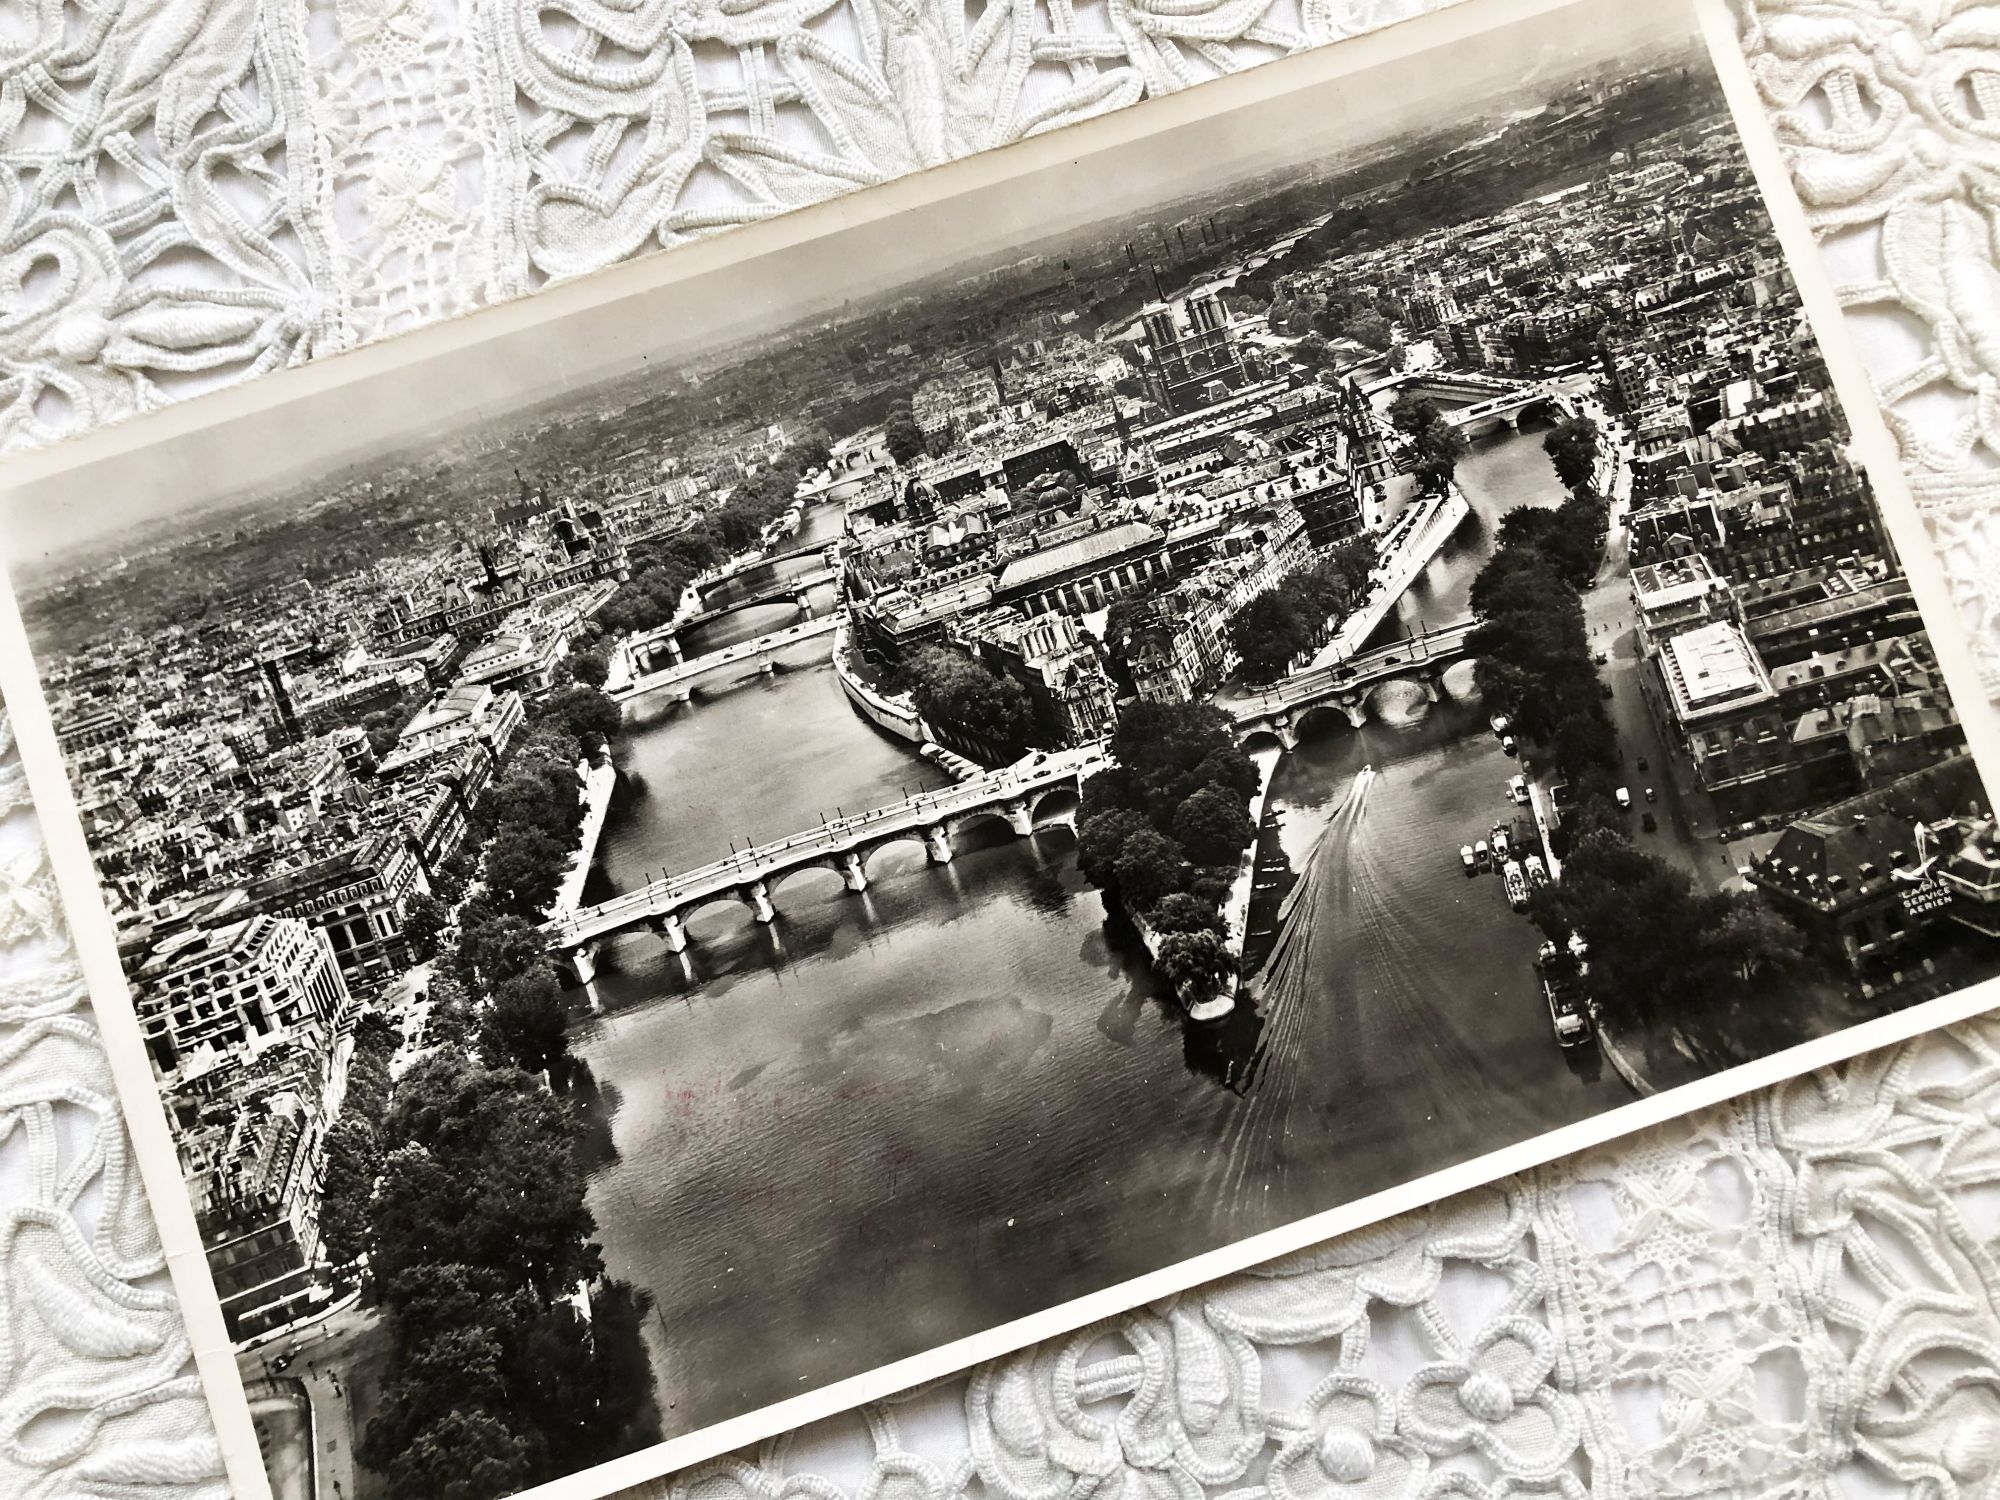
1248	1165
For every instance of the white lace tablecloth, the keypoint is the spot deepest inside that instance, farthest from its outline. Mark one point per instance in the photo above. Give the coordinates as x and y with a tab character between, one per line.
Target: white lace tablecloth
1794	1295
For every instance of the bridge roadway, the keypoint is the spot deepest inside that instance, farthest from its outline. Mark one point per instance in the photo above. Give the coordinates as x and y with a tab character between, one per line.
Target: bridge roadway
1497	397
793	589
757	560
843	845
625	683
1445	382
1279	708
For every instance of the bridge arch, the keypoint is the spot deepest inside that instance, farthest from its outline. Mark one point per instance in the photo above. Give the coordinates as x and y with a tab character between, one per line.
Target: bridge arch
727	896
913	837
828	867
1329	716
1259	737
1055	805
763	599
1402	699
1543	410
983	823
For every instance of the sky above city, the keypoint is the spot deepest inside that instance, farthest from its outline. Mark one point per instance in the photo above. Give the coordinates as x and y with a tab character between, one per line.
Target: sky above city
489	367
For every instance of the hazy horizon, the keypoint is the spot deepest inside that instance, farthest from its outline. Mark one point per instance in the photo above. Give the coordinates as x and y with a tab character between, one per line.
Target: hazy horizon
275	449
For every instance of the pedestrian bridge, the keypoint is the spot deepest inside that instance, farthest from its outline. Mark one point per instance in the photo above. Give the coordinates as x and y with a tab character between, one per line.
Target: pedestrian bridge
1039	791
1281	709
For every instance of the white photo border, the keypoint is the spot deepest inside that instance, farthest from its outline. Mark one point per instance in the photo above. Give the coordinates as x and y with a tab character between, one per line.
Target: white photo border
95	937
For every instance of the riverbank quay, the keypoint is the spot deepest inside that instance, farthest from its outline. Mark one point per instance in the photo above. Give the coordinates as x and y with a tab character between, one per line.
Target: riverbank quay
892	714
599	781
1413	539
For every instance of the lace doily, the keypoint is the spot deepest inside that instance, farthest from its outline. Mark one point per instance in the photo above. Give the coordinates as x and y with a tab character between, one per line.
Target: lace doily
1795	1293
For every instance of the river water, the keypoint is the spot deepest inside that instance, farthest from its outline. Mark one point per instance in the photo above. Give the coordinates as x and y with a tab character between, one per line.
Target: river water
893	1119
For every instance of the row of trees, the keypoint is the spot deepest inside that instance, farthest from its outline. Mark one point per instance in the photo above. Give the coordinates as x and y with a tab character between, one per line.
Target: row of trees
1665	956
478	1236
463	1183
1532	646
1300	612
530	822
537	814
1163	830
354	1149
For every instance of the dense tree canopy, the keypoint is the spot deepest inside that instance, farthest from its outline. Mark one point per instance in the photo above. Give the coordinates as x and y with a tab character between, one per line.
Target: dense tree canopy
478	1236
1665	955
1436	445
523	1025
901	435
1572	448
1164	828
959	696
590	717
1213	826
1302	611
1532	646
590	667
486	1177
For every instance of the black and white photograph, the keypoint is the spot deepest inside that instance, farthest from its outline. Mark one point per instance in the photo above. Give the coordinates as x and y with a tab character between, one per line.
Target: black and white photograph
672	855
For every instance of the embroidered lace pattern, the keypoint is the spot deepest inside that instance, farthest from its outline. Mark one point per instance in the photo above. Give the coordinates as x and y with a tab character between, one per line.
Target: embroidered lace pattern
1795	1294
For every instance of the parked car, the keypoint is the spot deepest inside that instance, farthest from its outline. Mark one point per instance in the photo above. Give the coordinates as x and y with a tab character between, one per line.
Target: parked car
1624	797
1651	795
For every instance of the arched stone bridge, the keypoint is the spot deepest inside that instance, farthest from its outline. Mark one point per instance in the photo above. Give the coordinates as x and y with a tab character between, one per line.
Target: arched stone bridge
1482	417
1451	385
646	651
1493	401
1282	707
627	680
829	555
1039	791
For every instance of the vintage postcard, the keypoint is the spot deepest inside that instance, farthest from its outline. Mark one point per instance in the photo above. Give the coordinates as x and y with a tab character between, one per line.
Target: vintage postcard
663	860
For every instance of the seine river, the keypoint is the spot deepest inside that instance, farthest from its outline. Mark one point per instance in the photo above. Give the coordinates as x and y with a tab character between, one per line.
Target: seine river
894	1119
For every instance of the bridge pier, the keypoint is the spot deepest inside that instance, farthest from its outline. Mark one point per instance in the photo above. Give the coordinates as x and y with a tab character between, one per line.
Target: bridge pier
1019	818
768	667
804	602
1288	733
937	844
852	871
1356	710
757	896
673	929
580	964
